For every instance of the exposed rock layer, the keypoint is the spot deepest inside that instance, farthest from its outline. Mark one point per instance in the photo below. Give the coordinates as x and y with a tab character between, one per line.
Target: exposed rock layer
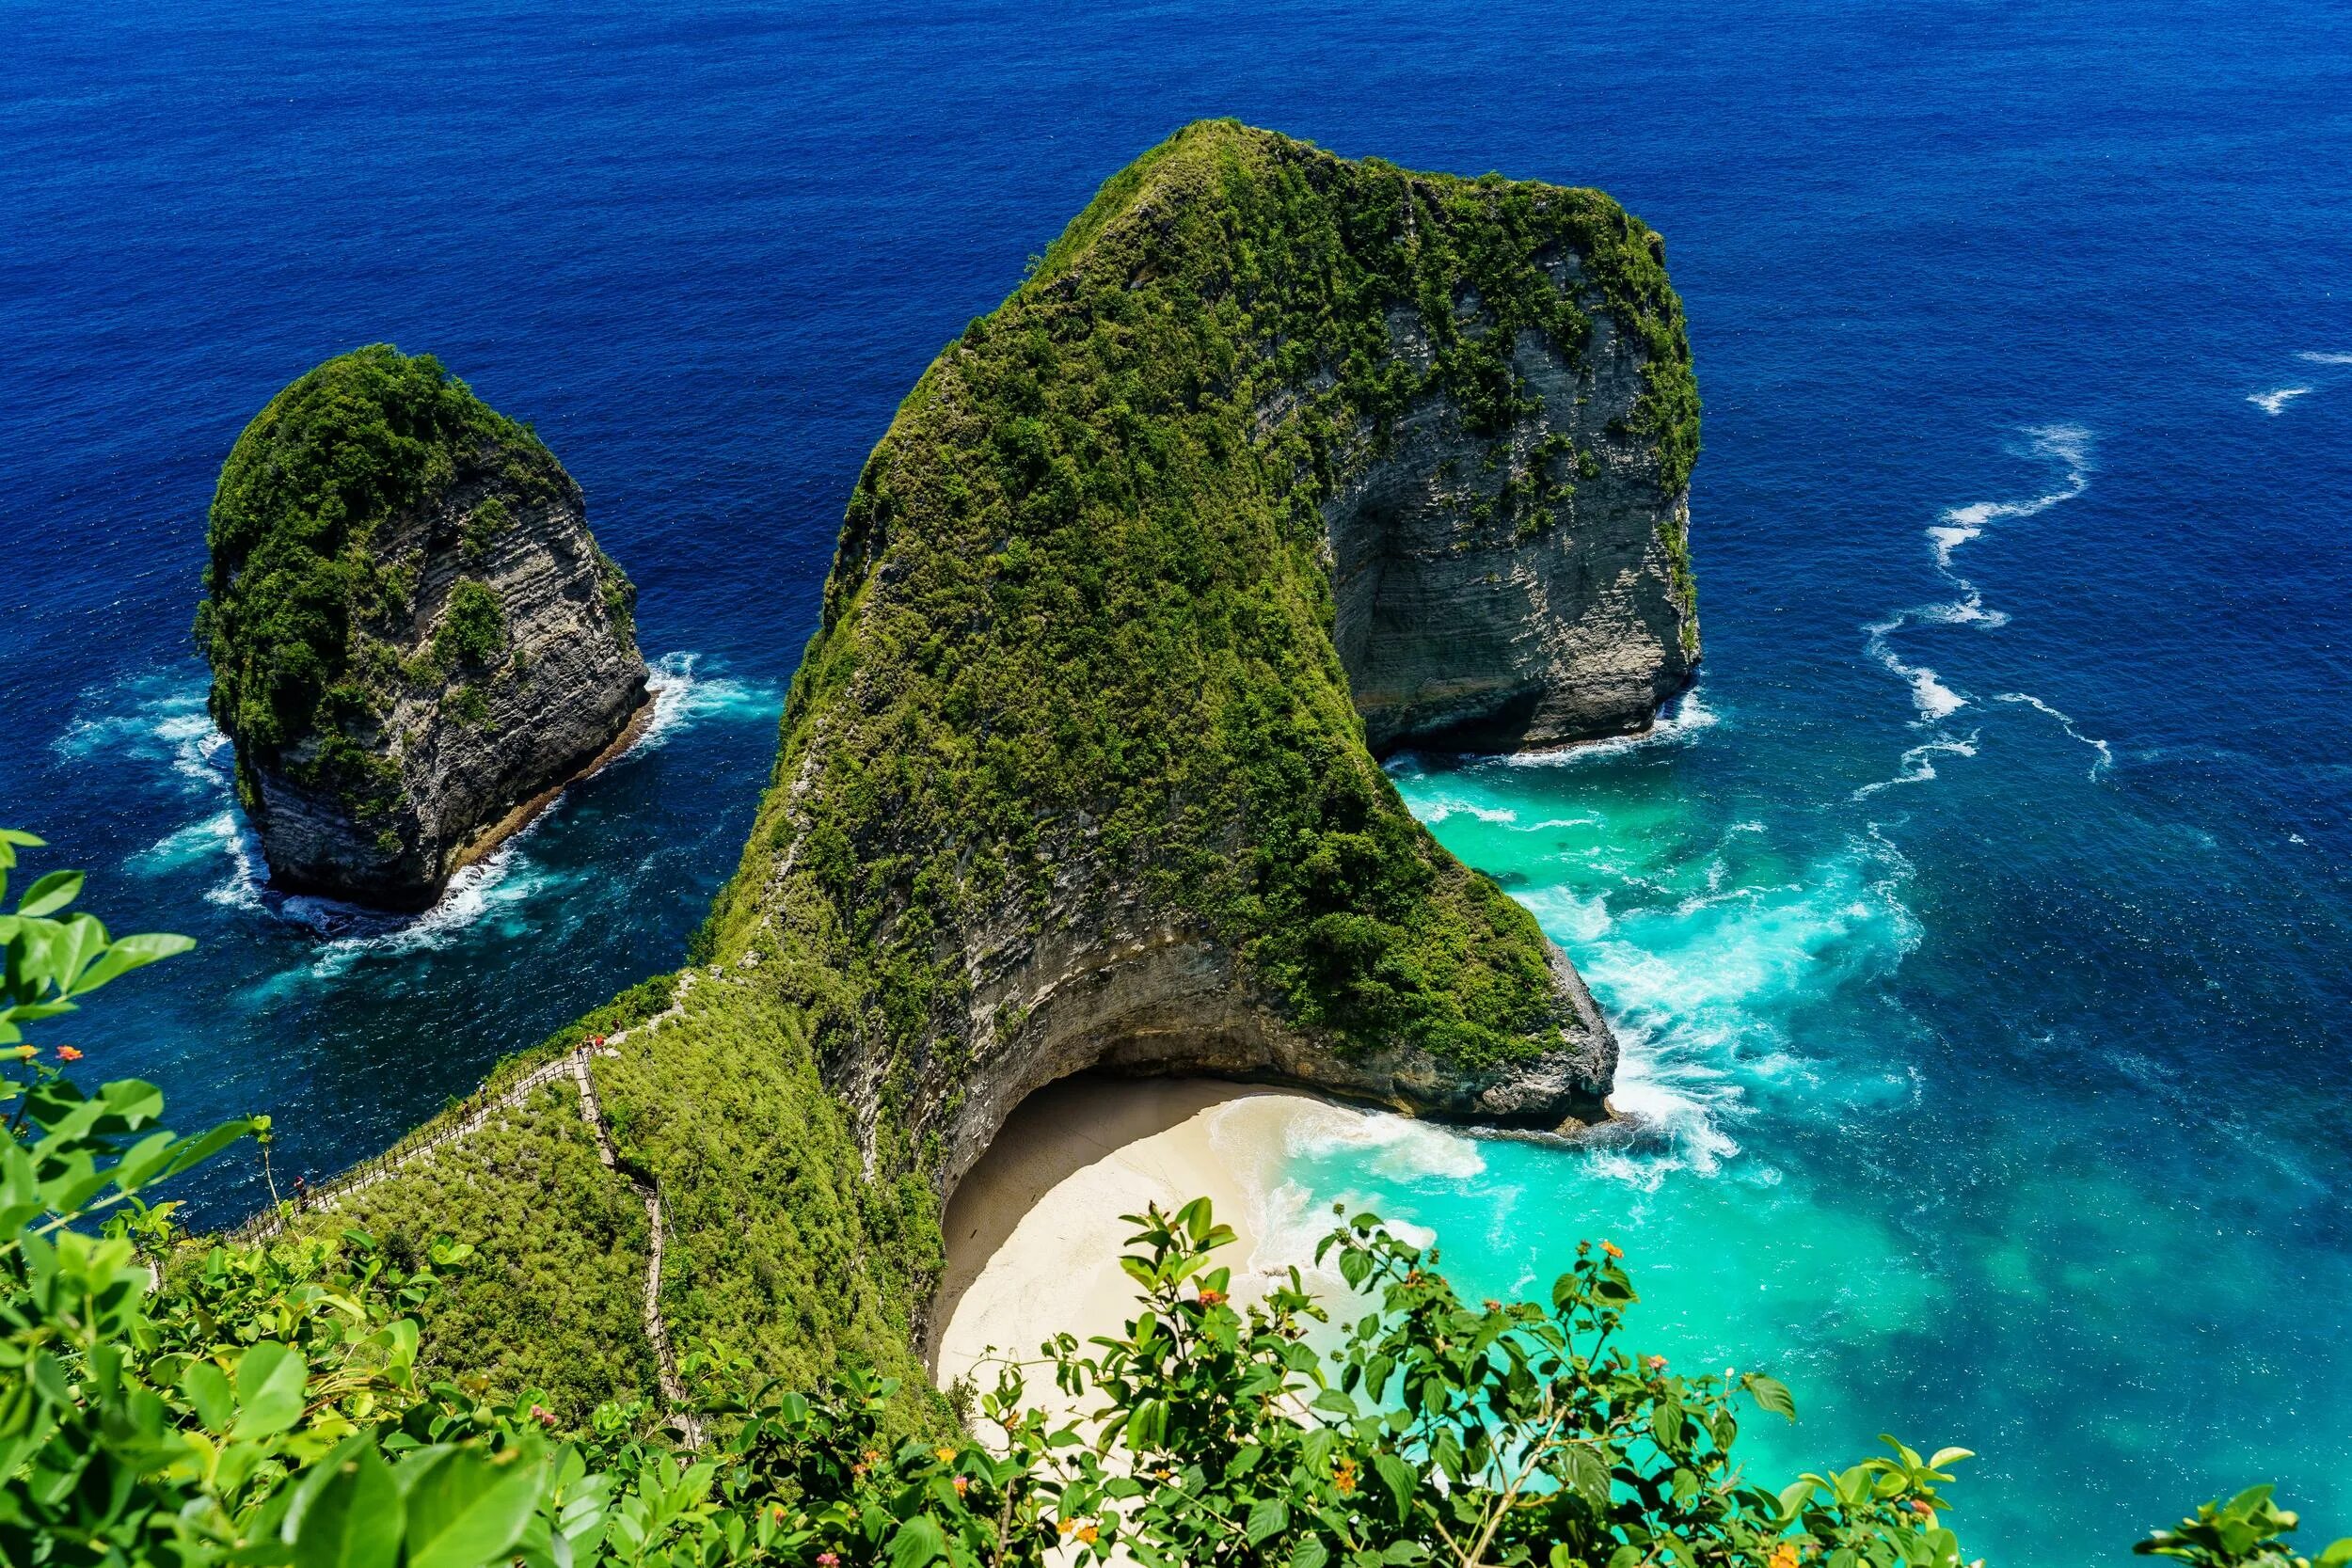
1468	635
486	658
558	701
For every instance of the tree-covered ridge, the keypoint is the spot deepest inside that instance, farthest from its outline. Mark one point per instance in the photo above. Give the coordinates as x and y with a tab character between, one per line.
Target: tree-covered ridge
301	598
1081	612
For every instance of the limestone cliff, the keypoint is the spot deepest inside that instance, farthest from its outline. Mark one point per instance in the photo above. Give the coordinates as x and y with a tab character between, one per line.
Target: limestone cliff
1278	462
1465	623
413	636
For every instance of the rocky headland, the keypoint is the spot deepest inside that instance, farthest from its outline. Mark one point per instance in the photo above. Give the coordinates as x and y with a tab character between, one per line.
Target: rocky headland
1279	463
1276	463
415	640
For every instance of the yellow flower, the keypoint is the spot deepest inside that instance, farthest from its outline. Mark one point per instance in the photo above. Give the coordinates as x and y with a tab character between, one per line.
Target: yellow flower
1088	1533
1612	1249
1785	1555
946	1456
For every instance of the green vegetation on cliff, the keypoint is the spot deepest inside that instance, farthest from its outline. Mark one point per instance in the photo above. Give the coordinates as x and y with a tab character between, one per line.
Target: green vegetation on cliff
1081	606
299	596
268	1408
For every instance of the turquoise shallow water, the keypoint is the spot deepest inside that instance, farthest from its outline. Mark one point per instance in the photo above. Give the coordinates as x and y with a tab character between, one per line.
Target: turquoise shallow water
1981	941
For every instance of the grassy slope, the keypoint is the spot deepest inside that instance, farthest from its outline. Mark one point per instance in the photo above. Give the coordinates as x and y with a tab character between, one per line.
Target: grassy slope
551	1299
1078	574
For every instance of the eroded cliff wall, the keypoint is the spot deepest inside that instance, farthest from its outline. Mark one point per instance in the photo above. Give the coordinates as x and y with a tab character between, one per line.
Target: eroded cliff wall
413	634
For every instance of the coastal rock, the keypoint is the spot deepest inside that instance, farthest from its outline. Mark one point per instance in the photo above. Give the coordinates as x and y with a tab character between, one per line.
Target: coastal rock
1279	463
414	638
1468	624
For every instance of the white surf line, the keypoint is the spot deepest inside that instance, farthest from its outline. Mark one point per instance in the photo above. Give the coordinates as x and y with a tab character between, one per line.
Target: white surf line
1932	700
2317	356
2107	752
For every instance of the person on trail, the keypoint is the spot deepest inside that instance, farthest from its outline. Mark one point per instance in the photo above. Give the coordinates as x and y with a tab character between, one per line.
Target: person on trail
302	1194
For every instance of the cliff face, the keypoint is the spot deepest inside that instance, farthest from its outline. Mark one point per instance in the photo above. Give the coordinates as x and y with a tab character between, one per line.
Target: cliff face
1466	627
413	634
1278	462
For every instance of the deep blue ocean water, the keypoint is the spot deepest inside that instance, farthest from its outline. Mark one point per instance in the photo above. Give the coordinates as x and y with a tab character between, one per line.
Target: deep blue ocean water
1978	935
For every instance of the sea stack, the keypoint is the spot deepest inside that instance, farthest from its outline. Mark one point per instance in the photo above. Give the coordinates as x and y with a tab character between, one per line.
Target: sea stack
414	639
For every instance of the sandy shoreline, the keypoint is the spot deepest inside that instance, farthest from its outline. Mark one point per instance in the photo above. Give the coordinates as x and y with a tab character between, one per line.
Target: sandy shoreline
1033	1233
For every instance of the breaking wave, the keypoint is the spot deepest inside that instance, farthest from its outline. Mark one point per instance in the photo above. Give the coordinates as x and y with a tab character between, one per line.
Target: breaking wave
1933	699
682	698
2275	402
1689	718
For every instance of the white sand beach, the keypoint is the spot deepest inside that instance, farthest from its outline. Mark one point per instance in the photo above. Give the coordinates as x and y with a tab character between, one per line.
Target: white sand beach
1033	1231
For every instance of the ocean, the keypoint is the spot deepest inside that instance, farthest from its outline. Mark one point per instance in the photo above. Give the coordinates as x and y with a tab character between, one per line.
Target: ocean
1977	930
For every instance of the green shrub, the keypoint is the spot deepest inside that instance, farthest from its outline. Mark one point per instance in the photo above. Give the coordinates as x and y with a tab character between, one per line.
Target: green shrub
1079	610
473	630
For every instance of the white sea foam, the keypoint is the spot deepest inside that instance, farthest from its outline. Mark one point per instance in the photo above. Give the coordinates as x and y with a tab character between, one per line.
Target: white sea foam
1930	696
1394	1147
2321	356
2106	759
681	698
155	718
159	719
1685	722
2275	402
1438	811
496	886
1932	699
1699	993
1918	764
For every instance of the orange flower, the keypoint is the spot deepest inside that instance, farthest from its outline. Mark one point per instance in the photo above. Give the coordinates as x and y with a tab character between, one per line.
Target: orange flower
1491	1305
1069	1524
1656	1363
1785	1555
1212	1298
1922	1508
1612	1249
1344	1475
1088	1533
67	1053
964	1484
